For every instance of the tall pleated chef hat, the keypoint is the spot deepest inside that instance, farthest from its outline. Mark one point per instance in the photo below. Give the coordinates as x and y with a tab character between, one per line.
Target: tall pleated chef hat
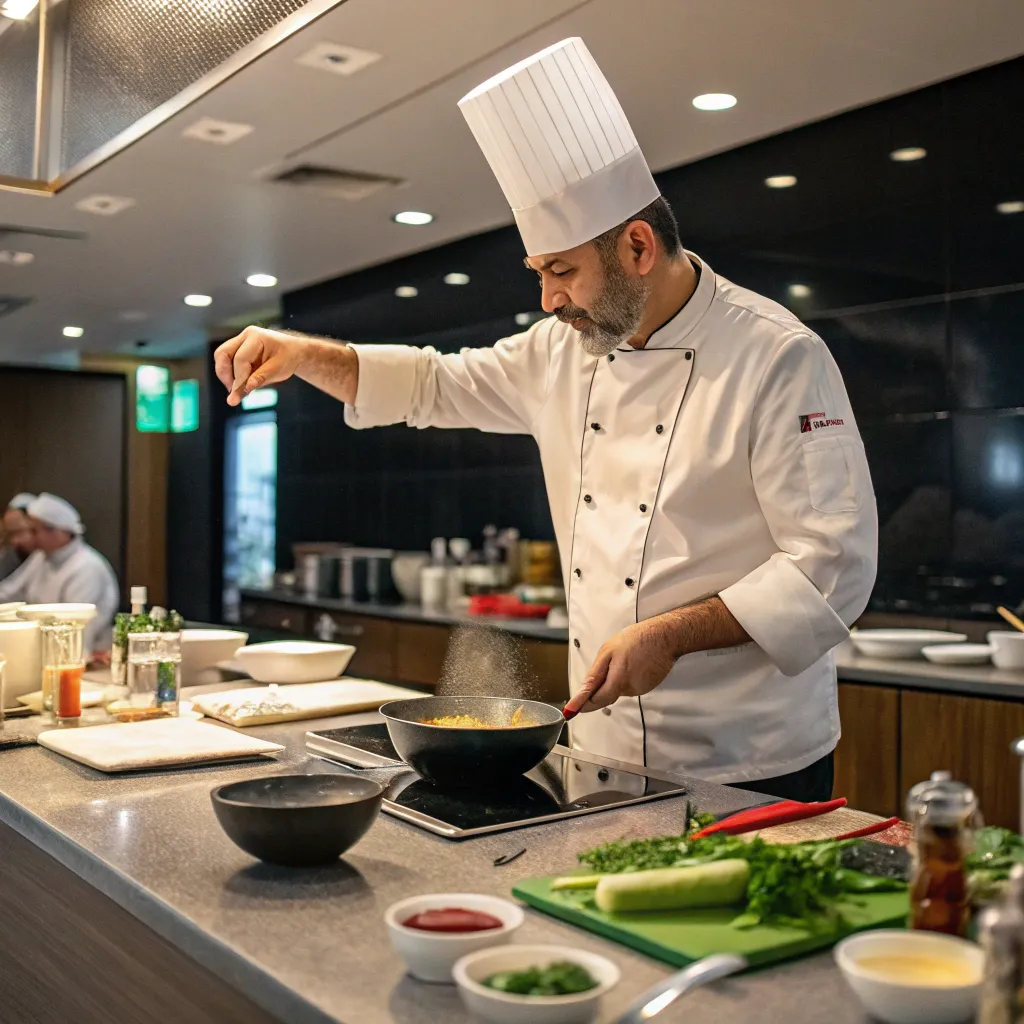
56	513
21	501
560	146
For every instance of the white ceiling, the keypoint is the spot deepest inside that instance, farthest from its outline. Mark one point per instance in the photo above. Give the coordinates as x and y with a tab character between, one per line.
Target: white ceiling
205	218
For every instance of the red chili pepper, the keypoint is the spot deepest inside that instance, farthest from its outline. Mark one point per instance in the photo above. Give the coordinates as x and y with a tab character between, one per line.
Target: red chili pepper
781	813
869	830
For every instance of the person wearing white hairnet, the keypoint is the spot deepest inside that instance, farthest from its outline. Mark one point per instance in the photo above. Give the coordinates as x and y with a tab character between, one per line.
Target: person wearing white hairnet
63	568
17	539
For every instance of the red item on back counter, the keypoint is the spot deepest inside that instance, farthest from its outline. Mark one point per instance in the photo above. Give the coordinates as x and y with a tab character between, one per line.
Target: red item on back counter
508	605
452	919
69	692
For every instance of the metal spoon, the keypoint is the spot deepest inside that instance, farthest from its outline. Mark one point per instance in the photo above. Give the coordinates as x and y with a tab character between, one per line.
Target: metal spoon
666	992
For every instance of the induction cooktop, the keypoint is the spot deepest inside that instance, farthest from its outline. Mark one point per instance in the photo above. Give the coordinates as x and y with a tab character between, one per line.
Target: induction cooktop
566	784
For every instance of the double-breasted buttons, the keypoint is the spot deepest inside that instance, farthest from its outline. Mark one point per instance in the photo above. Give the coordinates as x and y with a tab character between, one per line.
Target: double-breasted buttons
578	572
659	428
595	426
606	711
587	498
576	642
611	358
629	581
643	508
689	356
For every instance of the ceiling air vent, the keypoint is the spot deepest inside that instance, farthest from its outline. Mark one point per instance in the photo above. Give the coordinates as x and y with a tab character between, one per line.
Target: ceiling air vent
331	181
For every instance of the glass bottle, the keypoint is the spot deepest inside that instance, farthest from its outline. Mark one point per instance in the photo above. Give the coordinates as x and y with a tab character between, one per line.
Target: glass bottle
1001	937
119	646
154	671
63	665
944	813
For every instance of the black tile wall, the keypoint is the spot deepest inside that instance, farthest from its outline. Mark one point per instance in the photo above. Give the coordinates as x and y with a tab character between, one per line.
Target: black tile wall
909	273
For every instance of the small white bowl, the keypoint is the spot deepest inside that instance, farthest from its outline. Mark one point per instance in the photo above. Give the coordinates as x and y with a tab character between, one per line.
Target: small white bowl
508	1008
201	649
902	1003
1007	648
958	654
430	956
900	643
294	661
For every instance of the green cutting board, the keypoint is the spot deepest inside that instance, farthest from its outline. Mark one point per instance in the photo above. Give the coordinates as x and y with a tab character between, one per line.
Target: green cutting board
681	936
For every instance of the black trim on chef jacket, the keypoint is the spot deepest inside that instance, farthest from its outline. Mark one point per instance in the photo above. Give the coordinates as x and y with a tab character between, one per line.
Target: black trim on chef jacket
579	493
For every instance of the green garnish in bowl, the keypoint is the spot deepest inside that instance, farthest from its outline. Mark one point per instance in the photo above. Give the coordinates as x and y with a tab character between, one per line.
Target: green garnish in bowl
563	978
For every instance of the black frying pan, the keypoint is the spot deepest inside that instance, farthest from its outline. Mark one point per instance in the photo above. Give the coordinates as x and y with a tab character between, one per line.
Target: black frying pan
468	757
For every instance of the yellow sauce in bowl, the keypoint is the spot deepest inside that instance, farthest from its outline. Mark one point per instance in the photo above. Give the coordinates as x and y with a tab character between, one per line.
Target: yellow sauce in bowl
931	970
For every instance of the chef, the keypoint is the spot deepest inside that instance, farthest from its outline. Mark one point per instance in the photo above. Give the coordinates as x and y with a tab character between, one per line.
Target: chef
63	569
17	540
708	485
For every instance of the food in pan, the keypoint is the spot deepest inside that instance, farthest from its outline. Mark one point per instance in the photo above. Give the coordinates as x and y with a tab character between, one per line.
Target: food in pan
472	722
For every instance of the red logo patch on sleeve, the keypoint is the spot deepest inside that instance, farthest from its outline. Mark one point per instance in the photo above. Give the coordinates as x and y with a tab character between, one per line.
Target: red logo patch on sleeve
811	421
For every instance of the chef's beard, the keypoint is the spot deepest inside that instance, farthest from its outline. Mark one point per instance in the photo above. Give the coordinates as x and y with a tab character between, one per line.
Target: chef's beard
615	315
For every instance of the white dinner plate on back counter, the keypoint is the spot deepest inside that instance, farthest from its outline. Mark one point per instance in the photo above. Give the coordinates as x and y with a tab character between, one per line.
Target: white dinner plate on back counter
900	643
959	654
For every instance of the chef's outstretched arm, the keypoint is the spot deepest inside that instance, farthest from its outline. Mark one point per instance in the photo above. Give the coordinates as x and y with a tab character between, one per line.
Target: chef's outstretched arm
636	660
500	388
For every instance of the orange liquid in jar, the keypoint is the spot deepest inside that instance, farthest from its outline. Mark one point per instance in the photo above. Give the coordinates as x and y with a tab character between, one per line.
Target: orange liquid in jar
68	698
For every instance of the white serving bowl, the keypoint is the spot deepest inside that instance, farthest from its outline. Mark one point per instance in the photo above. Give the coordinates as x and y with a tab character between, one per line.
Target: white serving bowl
406	567
508	1008
900	643
9	610
294	661
57	612
1007	648
903	1003
959	654
202	649
430	956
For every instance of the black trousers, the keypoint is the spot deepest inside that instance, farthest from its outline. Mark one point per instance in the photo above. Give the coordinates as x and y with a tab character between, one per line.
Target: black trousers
809	784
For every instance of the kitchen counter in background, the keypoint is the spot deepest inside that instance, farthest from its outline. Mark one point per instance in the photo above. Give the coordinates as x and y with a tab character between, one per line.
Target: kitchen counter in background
536	629
95	865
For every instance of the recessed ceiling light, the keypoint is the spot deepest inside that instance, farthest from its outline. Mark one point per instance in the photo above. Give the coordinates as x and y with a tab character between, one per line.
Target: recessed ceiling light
337	58
221	133
714	101
73	332
261	280
416	217
456	278
104	206
799	291
781	181
15	258
198	300
18	9
1011	206
407	291
908	153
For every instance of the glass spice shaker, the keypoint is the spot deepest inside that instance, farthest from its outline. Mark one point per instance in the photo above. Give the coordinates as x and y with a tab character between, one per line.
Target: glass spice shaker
1001	937
944	813
63	665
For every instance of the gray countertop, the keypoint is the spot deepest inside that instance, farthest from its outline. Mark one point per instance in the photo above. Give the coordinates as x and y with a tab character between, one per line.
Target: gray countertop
918	674
536	629
311	945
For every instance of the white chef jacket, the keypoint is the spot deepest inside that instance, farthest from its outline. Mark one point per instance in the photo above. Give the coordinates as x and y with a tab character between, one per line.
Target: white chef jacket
77	573
722	458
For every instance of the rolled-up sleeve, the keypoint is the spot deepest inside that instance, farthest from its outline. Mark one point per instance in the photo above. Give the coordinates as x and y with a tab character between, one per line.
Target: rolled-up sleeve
812	482
499	389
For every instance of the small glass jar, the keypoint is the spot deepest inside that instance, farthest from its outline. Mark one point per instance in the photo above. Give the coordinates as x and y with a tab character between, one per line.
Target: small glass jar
154	671
63	665
944	814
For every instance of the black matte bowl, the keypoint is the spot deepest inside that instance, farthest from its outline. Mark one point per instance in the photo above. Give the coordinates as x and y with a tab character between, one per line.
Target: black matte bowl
471	757
297	820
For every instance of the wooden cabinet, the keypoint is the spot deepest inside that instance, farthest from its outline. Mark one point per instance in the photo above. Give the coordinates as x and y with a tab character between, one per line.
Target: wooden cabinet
289	617
969	736
548	660
373	639
867	758
420	652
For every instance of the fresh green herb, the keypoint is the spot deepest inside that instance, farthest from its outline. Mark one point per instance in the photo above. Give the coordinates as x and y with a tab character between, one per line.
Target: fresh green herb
996	852
563	978
800	884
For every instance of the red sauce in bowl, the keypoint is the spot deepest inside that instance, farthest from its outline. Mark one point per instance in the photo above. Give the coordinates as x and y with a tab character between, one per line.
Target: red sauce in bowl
453	919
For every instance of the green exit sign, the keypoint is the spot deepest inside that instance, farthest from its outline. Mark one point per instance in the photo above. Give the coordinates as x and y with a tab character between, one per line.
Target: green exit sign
152	399
184	406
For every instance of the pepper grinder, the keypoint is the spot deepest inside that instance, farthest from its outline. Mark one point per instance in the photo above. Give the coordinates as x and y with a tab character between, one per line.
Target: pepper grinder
1001	936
